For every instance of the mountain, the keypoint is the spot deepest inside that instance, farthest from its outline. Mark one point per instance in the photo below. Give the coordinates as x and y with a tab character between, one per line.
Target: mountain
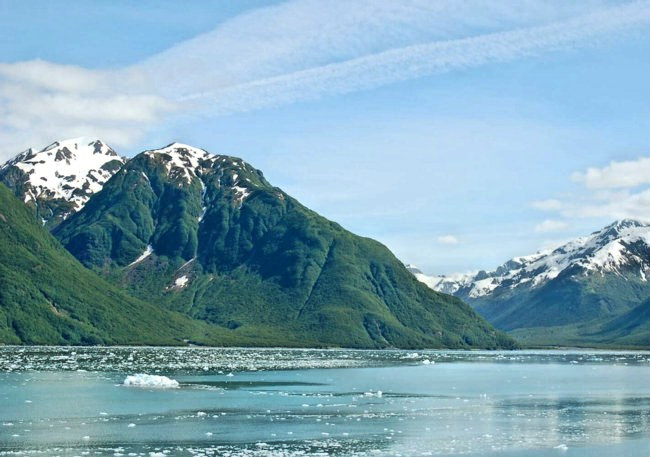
48	297
208	236
447	284
582	288
58	180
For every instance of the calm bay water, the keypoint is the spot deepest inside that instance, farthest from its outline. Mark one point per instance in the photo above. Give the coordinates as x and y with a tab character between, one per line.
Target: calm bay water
280	402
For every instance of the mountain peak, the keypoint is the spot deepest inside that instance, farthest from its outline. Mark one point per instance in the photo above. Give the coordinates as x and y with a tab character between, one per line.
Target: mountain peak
68	171
186	162
180	148
82	144
616	248
623	224
183	160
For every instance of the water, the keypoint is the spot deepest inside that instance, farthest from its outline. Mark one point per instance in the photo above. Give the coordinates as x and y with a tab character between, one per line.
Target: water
281	402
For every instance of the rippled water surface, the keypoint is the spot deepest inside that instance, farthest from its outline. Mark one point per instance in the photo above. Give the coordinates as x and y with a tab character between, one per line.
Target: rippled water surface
282	402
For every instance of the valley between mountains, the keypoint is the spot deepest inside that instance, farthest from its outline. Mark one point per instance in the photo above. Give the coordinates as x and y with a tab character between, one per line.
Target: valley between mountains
181	246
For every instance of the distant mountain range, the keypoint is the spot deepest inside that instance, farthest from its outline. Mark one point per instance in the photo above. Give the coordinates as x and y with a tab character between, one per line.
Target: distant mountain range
207	240
592	290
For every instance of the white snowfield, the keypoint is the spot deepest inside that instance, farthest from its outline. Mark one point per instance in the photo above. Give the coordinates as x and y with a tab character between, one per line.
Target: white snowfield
150	381
623	244
70	169
181	282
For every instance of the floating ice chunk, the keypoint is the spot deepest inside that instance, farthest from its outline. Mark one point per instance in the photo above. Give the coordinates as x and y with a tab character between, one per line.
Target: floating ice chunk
377	394
150	380
131	425
562	447
427	362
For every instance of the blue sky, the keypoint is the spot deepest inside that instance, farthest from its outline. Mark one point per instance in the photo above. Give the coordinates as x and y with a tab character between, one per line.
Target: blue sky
460	134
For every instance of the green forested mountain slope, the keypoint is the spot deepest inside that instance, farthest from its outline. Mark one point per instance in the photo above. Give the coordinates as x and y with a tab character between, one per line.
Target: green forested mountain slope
48	297
209	236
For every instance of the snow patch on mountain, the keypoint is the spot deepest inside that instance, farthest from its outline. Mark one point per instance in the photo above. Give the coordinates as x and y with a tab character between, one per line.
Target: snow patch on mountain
187	162
204	207
618	247
241	193
181	282
147	252
184	160
71	170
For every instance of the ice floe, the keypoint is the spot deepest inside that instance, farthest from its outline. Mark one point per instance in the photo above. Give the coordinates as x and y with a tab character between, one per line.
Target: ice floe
151	381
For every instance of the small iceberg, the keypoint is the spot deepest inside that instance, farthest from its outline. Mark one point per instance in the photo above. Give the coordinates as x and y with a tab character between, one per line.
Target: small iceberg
151	381
377	394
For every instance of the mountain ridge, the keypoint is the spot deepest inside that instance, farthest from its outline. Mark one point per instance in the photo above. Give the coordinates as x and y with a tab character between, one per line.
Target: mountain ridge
208	236
586	282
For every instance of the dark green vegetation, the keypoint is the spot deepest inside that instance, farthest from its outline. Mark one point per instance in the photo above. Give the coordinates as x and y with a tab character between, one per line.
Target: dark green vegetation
48	297
231	250
628	329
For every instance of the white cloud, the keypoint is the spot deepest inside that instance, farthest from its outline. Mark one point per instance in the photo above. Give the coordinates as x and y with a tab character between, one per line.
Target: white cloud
613	205
447	239
297	50
629	173
619	190
372	70
302	34
42	101
551	225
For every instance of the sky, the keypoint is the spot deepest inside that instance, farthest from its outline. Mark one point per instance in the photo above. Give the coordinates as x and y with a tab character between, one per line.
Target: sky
458	133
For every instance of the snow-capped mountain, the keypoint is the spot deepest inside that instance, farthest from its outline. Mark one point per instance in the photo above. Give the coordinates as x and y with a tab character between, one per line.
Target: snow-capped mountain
448	284
619	248
580	291
184	163
59	179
